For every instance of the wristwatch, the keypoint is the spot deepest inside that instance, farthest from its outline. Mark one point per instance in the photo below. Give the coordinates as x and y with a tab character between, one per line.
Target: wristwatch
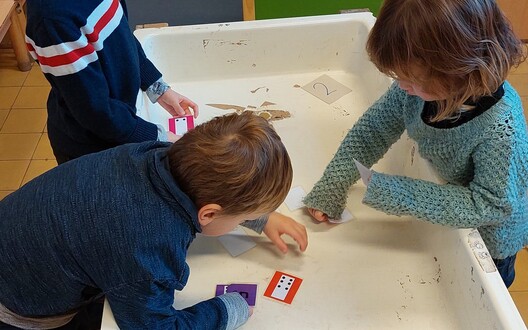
156	90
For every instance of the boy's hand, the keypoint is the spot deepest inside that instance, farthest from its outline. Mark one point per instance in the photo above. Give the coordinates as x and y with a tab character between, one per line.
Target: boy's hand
279	224
318	215
177	104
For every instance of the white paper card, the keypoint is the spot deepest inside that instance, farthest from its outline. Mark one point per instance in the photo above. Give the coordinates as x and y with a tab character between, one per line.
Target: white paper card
236	241
327	89
345	217
294	199
364	172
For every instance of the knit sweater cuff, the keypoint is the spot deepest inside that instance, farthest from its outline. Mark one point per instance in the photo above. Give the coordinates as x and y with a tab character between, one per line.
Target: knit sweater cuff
144	131
329	199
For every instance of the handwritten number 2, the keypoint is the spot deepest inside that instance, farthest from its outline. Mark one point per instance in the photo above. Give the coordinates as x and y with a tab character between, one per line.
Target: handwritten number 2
325	87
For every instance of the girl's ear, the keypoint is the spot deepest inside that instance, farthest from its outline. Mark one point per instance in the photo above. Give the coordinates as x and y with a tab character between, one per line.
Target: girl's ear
207	213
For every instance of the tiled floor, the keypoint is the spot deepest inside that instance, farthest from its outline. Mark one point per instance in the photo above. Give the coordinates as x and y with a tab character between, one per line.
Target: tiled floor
24	146
25	151
519	289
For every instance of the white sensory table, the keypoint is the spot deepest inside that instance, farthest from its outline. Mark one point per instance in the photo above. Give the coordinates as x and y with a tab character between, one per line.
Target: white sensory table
374	272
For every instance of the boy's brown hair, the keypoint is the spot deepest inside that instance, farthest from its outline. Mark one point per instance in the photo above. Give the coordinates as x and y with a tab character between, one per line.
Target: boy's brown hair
236	161
465	47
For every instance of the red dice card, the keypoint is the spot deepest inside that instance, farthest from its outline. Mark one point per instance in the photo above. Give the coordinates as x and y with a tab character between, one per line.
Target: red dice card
283	287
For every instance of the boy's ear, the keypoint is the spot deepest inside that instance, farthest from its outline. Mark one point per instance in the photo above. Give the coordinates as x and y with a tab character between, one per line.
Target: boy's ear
207	213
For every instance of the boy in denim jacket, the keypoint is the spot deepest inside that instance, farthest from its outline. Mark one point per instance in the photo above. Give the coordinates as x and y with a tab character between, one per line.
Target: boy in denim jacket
118	224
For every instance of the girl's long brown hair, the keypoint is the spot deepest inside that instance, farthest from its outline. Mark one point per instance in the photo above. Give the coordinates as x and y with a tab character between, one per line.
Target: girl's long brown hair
463	48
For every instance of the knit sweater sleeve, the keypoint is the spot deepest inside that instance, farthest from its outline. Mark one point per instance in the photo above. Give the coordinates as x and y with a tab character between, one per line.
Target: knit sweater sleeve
367	141
499	180
83	86
148	305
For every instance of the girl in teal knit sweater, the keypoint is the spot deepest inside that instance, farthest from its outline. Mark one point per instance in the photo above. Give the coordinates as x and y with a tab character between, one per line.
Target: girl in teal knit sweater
450	59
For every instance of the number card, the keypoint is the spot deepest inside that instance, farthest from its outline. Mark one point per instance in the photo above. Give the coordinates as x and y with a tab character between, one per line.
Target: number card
181	125
327	89
283	287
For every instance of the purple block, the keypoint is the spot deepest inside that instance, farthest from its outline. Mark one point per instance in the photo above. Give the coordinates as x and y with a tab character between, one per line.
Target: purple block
247	291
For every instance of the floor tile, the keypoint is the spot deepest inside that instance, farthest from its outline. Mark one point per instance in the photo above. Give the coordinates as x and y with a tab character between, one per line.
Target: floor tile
32	97
8	96
43	150
36	77
12	76
25	121
523	68
518	81
521	301
36	168
7	58
521	272
3	117
11	173
18	146
4	193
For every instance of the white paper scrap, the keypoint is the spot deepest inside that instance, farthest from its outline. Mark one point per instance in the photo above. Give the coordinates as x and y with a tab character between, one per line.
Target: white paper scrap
236	241
294	199
345	217
365	172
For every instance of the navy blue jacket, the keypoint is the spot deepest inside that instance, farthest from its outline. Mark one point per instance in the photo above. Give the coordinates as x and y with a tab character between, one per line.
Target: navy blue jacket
96	68
112	223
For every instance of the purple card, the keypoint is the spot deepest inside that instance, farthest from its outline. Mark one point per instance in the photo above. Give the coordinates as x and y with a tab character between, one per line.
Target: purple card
247	291
220	289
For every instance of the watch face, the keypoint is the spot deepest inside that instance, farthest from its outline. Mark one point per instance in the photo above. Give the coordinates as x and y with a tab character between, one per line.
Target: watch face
161	88
156	90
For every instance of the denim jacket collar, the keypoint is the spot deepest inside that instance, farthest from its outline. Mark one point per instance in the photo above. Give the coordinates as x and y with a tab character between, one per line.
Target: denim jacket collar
170	191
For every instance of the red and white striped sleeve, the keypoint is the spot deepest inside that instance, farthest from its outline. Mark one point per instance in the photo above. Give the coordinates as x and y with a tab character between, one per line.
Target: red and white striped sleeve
70	57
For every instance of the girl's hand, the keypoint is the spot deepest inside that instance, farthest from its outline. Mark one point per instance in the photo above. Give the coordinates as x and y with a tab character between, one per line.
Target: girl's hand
279	224
318	215
177	104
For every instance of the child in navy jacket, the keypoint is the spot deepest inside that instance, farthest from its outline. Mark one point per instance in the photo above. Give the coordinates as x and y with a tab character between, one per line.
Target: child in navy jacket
95	67
118	224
